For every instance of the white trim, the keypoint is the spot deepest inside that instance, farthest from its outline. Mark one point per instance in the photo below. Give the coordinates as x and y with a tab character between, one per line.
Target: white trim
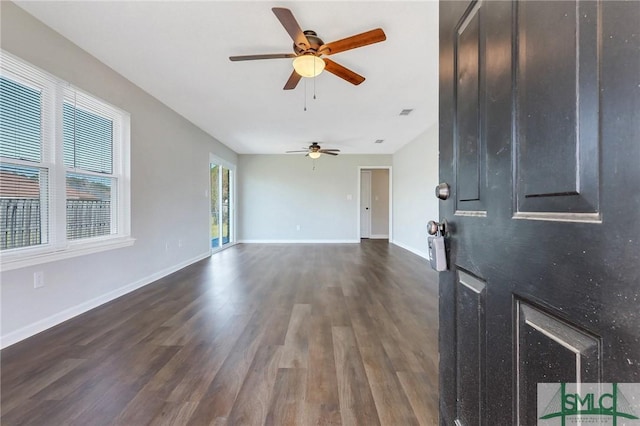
378	237
224	247
423	254
390	168
39	255
233	210
299	241
55	245
55	319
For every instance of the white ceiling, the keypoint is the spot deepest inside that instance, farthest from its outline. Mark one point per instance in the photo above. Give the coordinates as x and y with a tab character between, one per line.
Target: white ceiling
178	51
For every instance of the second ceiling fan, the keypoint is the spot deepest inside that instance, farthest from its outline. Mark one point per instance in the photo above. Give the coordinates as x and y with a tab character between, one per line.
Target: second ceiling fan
309	50
315	150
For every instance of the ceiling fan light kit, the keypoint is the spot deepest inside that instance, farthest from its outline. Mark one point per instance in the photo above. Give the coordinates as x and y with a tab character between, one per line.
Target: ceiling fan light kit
308	50
308	65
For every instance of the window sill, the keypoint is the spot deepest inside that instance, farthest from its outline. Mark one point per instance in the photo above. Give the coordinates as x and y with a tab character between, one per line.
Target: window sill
21	260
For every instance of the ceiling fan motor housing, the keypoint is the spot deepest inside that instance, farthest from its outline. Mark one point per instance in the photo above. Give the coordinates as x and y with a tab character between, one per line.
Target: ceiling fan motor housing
314	41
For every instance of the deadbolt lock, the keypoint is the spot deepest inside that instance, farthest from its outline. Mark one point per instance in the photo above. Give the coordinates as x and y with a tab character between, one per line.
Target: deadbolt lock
442	191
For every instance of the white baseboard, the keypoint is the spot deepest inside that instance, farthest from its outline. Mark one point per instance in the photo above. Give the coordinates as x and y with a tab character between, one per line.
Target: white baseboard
379	237
423	254
53	320
299	241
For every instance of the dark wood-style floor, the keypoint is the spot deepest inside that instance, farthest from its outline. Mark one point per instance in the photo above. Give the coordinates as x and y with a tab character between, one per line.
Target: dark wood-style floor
256	334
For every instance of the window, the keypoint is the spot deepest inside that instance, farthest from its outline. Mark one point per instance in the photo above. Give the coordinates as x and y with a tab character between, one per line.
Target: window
64	169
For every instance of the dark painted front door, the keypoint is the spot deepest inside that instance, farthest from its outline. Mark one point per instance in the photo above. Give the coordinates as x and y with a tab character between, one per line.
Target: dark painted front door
540	143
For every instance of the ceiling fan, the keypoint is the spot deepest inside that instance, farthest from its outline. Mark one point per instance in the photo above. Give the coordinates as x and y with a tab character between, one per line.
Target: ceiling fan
309	50
315	150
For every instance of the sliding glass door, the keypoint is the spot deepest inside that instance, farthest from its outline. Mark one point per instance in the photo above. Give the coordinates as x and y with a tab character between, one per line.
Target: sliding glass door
221	204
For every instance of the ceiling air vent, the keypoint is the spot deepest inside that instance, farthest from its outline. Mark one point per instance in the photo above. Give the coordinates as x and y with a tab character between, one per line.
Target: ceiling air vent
406	111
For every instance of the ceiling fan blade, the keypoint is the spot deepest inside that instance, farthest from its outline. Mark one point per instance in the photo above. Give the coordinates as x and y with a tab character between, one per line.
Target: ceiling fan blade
328	153
290	24
294	78
268	56
290	152
359	40
336	150
342	72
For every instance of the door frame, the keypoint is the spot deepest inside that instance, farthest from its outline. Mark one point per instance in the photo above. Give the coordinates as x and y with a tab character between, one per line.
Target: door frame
214	159
390	169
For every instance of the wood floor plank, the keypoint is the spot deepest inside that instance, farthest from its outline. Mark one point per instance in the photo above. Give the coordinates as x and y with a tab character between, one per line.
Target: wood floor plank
391	402
322	405
31	387
197	375
357	406
296	342
219	398
115	389
422	396
287	404
252	403
173	414
255	334
322	385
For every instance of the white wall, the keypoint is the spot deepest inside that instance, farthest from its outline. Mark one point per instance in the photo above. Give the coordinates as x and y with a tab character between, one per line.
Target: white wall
278	192
169	179
415	176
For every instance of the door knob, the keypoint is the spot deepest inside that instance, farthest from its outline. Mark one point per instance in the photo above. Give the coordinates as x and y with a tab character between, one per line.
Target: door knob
435	228
442	191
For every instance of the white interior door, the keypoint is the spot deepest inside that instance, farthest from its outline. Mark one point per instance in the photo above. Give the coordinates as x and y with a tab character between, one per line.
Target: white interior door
365	204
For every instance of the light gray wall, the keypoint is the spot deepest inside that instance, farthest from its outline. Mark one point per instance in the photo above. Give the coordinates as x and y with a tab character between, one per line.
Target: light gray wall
278	192
380	203
415	175
169	180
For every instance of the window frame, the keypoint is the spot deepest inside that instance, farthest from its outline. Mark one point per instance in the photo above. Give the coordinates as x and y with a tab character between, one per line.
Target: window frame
57	247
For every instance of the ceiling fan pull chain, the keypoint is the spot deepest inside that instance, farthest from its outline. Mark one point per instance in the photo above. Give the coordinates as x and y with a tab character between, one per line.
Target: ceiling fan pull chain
305	94
314	80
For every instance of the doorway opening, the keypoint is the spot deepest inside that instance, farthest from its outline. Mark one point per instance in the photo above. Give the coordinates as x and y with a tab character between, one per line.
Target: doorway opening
375	202
222	222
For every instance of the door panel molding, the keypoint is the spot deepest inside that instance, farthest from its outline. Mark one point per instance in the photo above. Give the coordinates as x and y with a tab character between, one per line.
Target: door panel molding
547	343
470	348
559	114
469	145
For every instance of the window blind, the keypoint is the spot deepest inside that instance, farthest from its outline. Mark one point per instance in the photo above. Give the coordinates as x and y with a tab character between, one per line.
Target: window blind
24	184
88	140
20	121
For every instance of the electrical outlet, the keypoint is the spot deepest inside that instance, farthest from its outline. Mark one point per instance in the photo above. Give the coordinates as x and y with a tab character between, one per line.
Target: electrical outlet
166	246
38	279
180	243
297	227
